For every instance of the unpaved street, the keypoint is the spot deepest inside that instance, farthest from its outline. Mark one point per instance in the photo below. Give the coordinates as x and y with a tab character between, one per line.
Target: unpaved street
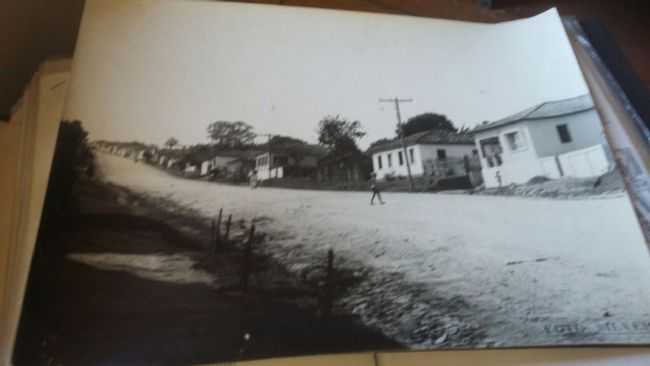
524	271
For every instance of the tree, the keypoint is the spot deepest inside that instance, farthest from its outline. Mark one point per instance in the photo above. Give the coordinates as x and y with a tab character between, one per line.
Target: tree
339	134
171	142
195	154
291	146
232	134
280	140
73	156
147	156
464	130
426	122
379	142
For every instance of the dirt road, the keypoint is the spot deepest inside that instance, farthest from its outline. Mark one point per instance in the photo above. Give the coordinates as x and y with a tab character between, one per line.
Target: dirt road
520	269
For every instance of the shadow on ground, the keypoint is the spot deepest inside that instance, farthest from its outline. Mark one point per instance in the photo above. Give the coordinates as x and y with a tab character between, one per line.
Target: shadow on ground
76	314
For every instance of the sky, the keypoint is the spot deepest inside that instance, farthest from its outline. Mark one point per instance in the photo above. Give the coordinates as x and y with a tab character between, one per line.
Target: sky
148	70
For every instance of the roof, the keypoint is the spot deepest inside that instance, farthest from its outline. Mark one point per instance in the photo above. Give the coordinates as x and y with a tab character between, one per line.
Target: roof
242	159
211	152
171	153
306	149
430	137
543	111
333	158
134	145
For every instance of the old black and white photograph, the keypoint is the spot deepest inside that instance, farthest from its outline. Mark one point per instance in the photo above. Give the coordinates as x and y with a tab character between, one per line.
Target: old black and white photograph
236	182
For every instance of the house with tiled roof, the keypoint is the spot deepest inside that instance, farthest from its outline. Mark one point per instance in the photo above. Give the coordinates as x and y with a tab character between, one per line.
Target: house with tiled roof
295	159
432	153
344	169
167	158
562	138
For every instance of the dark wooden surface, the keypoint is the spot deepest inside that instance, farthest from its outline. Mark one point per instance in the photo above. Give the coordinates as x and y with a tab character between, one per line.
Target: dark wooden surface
31	30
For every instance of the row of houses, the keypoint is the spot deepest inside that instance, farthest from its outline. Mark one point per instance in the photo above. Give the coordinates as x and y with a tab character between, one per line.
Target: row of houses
434	155
553	139
283	161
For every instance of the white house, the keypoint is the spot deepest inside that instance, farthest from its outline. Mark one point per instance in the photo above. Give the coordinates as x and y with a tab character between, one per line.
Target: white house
139	155
171	162
215	162
552	139
190	169
291	160
268	165
430	153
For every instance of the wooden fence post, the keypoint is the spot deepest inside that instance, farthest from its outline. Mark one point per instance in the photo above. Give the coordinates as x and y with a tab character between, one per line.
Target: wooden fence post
330	264
212	239
246	264
326	309
227	234
217	232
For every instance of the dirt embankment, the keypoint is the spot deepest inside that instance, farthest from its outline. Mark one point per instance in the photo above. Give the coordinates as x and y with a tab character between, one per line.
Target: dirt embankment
564	188
117	296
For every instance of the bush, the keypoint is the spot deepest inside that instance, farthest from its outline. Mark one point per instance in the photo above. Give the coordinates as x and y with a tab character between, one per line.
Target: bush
72	158
538	179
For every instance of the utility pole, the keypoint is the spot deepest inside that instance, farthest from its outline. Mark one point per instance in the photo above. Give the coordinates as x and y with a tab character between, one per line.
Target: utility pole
397	101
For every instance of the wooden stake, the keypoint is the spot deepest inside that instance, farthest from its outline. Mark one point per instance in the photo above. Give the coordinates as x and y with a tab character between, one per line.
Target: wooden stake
330	264
217	233
227	228
211	233
246	265
329	286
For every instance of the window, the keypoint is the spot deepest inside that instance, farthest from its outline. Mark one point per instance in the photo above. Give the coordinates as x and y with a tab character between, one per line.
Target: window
390	160
442	154
379	162
563	132
280	160
412	155
474	152
261	161
515	140
491	149
400	157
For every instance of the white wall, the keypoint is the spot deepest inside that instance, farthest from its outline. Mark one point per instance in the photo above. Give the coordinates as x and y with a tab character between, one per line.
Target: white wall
221	161
421	153
589	162
395	168
189	168
205	167
586	155
585	129
453	151
550	167
263	171
518	166
216	162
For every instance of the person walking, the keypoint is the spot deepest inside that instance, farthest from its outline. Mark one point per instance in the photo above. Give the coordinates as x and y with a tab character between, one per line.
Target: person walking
375	191
252	178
